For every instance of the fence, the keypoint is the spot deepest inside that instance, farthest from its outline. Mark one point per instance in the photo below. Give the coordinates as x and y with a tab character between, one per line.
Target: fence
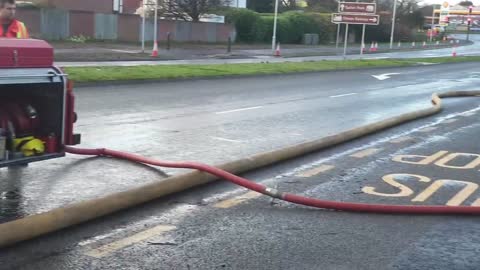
56	24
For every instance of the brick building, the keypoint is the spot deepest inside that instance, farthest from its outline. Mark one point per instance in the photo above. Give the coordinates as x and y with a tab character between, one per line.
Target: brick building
98	6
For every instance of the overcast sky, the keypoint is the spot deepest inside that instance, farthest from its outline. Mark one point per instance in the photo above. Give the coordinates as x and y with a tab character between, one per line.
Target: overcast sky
429	2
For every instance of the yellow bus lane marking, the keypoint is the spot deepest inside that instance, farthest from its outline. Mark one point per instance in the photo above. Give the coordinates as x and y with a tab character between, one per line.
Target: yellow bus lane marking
424	160
237	200
449	121
366	152
476	203
469	114
456	200
316	171
110	248
428	129
401	139
391	179
471	165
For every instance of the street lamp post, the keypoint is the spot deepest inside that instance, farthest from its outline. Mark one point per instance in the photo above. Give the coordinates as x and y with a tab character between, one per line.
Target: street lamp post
155	30
274	38
393	23
469	21
433	22
143	25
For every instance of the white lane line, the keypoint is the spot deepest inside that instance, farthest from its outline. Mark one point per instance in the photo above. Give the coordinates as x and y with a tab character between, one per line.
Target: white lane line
468	114
344	95
240	110
225	140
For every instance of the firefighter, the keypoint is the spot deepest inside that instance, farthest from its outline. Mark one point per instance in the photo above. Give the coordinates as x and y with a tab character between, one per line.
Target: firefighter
10	27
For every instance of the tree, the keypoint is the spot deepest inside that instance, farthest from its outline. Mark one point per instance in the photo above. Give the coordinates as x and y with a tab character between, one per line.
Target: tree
261	6
466	3
188	10
289	4
322	5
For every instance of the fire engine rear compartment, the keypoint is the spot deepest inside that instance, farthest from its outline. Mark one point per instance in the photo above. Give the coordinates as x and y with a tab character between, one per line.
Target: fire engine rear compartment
47	99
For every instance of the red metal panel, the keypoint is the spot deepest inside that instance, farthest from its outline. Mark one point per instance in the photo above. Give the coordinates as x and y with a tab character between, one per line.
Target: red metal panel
131	6
82	23
31	18
199	32
129	27
25	53
166	26
224	31
99	6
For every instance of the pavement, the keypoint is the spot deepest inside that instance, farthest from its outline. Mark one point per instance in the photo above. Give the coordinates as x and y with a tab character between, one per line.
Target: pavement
295	54
432	161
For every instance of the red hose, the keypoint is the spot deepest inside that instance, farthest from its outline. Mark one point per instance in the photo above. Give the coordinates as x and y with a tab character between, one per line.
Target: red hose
324	204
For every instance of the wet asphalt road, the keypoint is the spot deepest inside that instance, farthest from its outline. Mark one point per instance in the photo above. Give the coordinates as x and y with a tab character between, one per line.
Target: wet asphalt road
220	226
214	121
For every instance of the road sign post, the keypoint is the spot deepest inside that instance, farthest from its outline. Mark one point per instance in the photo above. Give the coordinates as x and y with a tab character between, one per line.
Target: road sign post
345	43
357	8
355	19
355	13
362	45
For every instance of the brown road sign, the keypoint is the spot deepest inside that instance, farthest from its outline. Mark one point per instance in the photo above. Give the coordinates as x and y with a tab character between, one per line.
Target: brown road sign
353	7
355	18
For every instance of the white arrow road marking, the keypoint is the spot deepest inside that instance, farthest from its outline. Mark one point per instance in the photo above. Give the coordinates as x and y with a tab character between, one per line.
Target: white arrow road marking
385	76
426	63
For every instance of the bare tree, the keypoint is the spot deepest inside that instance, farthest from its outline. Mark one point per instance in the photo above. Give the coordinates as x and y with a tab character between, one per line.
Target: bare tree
466	3
289	4
188	10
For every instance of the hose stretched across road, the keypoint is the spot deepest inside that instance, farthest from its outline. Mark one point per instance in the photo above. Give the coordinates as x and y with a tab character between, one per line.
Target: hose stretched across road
40	224
324	204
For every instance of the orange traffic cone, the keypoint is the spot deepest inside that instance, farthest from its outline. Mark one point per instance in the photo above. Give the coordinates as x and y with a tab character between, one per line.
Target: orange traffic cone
277	51
155	49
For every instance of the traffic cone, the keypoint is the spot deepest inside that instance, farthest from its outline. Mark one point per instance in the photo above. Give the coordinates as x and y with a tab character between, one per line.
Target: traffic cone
155	49
372	47
454	52
376	46
277	51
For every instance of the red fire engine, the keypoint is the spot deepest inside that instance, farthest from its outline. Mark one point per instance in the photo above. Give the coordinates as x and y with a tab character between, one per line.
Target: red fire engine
36	104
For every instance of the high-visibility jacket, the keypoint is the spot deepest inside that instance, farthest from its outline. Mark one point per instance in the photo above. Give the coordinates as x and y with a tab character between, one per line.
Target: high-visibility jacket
17	29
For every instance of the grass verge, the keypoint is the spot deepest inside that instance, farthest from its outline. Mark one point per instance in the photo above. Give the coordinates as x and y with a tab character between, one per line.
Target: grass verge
106	74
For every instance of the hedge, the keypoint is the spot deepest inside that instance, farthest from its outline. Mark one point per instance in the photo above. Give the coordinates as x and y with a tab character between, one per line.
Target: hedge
291	26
